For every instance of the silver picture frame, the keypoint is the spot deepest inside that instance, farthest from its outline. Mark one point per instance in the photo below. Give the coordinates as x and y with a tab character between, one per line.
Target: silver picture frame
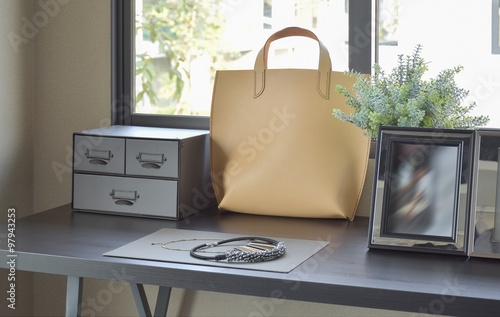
422	190
484	232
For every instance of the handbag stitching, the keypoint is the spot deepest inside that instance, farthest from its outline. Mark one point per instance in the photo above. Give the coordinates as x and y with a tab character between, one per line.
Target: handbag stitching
318	86
257	94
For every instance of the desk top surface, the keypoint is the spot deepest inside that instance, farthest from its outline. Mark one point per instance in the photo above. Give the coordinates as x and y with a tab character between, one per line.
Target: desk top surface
60	241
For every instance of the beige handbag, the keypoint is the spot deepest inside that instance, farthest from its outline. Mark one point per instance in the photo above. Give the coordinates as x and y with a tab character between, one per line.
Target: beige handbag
276	148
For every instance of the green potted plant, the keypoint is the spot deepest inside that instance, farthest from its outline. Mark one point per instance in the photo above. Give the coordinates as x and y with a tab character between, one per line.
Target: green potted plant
403	98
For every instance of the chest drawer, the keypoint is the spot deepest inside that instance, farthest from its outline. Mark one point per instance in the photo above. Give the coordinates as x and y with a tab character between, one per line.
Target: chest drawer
142	171
124	195
158	158
99	154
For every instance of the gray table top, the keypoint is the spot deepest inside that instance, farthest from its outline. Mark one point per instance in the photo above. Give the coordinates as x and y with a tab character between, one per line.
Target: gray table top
60	241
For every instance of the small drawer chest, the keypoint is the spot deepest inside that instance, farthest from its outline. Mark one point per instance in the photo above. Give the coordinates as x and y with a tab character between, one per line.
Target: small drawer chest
142	171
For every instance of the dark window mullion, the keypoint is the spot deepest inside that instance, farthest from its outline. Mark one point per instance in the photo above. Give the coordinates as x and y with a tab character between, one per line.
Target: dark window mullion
122	50
495	45
360	36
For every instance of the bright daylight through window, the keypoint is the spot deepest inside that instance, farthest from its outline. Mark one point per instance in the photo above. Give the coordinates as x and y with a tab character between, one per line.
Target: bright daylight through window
452	33
180	44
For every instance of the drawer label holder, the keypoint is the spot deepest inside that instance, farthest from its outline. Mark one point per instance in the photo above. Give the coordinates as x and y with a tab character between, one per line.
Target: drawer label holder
151	160
124	197
99	157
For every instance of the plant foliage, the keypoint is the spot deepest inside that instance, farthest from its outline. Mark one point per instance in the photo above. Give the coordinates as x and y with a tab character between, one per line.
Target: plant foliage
404	99
183	30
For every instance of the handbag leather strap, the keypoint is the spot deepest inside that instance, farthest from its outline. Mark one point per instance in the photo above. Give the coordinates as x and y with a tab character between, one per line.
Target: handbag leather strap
324	67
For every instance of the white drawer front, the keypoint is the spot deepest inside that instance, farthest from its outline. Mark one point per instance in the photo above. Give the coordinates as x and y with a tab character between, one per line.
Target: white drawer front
146	197
152	158
99	154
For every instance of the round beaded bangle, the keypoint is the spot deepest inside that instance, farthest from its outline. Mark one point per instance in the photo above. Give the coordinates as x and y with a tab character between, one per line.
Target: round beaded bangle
257	249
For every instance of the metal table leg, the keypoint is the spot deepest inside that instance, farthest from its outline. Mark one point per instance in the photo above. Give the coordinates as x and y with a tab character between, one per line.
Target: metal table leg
162	301
73	296
142	302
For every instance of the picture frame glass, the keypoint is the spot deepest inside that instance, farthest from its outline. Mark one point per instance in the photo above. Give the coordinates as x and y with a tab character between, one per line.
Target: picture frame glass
422	190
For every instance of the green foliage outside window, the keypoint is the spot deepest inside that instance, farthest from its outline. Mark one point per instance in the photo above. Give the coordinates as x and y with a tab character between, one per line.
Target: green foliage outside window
404	99
183	30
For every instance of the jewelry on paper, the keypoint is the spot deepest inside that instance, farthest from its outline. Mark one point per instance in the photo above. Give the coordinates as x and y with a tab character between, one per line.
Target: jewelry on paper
164	244
257	249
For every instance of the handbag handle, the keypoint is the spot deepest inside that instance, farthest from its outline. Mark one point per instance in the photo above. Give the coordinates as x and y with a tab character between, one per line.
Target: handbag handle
324	67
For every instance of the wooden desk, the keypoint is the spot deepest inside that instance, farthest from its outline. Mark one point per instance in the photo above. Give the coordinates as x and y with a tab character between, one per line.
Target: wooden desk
60	241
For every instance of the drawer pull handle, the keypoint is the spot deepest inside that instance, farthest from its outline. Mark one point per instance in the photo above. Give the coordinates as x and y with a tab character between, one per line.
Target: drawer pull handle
98	157
149	160
124	197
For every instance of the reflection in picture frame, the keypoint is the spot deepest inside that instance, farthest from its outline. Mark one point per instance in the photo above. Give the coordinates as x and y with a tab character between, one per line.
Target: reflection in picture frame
485	212
422	189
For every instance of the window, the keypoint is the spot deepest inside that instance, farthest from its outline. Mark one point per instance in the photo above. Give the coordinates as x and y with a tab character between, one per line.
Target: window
165	52
451	33
175	90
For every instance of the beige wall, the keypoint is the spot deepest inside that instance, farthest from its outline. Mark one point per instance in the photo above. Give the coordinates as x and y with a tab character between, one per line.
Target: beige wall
72	80
58	83
17	106
16	137
72	93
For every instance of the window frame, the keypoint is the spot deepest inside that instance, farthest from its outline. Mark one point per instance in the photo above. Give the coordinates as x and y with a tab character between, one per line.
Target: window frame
123	59
495	27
